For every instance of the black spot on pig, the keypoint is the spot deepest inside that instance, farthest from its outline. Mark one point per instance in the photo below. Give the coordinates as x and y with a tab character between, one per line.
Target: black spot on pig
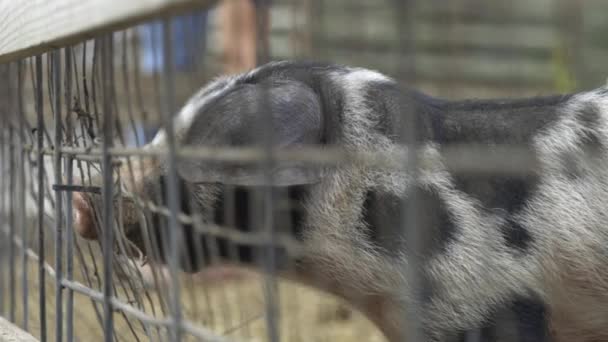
524	319
504	194
590	118
515	234
383	215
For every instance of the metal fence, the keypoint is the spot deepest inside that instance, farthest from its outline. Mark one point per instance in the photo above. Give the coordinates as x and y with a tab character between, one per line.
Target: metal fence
74	120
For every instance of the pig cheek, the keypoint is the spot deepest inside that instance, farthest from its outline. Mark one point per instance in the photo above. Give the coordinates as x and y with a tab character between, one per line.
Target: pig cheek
84	222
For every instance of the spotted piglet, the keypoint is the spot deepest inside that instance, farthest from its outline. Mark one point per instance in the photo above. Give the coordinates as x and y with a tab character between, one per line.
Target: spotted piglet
499	256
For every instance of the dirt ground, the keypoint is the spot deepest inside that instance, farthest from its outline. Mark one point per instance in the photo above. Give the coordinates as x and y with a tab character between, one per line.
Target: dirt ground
231	306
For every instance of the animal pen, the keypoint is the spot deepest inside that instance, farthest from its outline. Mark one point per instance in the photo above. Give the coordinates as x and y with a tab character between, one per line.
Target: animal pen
78	99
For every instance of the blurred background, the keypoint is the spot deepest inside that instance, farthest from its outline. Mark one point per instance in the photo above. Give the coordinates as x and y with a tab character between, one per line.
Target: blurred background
457	48
452	49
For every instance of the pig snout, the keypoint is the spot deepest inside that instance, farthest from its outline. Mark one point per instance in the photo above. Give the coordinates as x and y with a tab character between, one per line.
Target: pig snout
84	217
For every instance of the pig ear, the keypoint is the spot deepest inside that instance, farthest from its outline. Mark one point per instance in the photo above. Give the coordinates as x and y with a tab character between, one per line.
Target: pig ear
236	117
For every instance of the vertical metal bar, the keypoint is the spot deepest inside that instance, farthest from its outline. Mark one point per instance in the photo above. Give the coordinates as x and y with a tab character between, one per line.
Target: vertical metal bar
11	220
86	128
268	202
128	282
172	188
3	103
318	26
11	159
262	28
269	257
21	197
69	179
413	329
474	336
126	69
406	49
414	240
56	59
107	218
40	198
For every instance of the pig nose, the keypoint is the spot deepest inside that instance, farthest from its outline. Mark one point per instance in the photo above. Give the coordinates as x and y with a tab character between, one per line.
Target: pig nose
84	222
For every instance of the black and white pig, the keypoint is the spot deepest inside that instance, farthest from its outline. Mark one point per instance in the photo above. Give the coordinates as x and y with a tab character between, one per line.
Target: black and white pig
513	257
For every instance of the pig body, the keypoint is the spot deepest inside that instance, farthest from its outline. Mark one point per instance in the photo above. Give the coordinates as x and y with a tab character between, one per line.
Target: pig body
510	257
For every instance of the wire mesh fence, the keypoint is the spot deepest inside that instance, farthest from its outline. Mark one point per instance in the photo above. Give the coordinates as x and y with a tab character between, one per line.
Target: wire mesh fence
107	198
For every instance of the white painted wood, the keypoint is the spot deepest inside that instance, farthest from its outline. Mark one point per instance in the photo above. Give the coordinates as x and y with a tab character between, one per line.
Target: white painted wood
29	27
11	333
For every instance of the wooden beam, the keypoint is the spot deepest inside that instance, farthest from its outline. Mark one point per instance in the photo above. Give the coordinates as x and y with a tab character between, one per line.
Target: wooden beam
11	333
30	27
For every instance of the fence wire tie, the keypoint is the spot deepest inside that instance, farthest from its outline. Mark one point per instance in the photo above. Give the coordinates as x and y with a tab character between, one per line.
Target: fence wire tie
77	188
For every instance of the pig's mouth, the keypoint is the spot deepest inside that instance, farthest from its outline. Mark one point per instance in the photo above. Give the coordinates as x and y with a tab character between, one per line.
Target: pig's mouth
133	247
128	238
85	222
138	243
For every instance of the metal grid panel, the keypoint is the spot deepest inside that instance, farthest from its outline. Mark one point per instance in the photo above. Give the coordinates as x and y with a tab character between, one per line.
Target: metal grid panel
95	92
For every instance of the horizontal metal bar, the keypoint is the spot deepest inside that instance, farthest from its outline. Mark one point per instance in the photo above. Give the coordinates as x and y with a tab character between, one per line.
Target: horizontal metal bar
502	159
77	188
